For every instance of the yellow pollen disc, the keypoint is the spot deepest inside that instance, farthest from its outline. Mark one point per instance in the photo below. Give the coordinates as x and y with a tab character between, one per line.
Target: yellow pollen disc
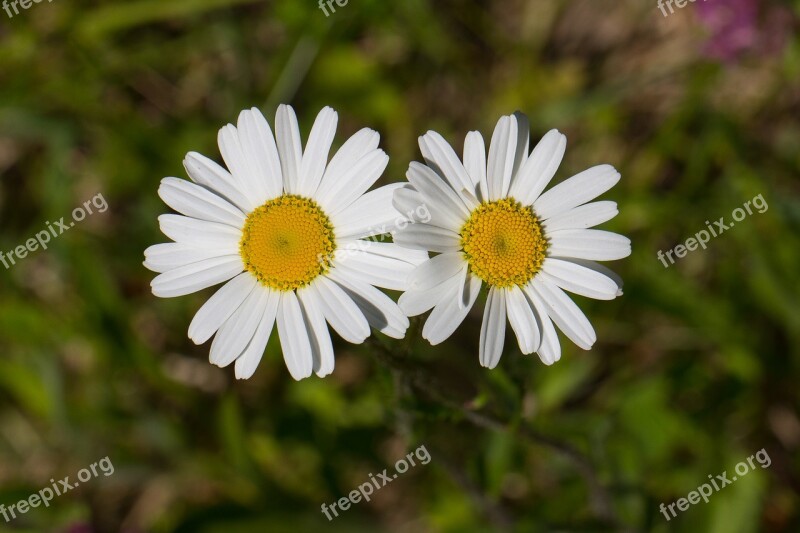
504	243
287	242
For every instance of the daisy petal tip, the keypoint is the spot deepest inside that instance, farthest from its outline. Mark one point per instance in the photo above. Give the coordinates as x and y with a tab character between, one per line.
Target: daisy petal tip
300	376
434	342
243	374
155	288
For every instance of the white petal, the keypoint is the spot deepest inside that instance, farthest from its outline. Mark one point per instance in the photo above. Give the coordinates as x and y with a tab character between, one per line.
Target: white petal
409	200
406	198
294	335
197	276
381	312
523	141
576	191
580	280
567	316
196	202
375	269
441	200
427	237
259	147
539	168
334	196
502	151
451	311
550	349
220	307
389	249
462	295
583	217
237	332
601	269
372	214
243	168
355	148
340	311
208	173
315	157
290	148
522	320
493	328
593	244
320	337
475	163
443	160
163	257
415	303
435	271
247	363
201	233
413	206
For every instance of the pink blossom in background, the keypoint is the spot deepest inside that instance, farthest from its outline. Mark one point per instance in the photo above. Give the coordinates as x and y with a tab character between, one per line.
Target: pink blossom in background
739	26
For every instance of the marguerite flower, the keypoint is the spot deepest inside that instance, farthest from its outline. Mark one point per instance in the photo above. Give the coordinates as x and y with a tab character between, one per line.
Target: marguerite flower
491	224
276	226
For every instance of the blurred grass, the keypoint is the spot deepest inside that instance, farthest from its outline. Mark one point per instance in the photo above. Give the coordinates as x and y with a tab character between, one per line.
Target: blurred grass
695	369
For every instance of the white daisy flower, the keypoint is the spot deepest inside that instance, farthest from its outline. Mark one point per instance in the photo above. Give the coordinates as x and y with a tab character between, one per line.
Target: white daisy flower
276	225
490	223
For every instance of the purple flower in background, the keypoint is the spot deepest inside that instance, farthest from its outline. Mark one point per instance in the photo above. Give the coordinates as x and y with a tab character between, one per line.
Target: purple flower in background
738	26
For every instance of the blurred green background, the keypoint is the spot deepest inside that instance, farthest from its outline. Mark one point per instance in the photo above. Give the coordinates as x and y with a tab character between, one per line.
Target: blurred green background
696	367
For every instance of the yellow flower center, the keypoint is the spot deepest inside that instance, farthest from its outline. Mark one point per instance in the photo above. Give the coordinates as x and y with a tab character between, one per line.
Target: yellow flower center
503	243
287	242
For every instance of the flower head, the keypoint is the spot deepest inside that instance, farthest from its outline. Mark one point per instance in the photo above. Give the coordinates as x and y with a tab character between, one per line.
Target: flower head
490	224
289	233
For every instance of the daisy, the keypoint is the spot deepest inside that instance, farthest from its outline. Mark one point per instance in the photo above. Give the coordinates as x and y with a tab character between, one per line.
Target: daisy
491	224
276	224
